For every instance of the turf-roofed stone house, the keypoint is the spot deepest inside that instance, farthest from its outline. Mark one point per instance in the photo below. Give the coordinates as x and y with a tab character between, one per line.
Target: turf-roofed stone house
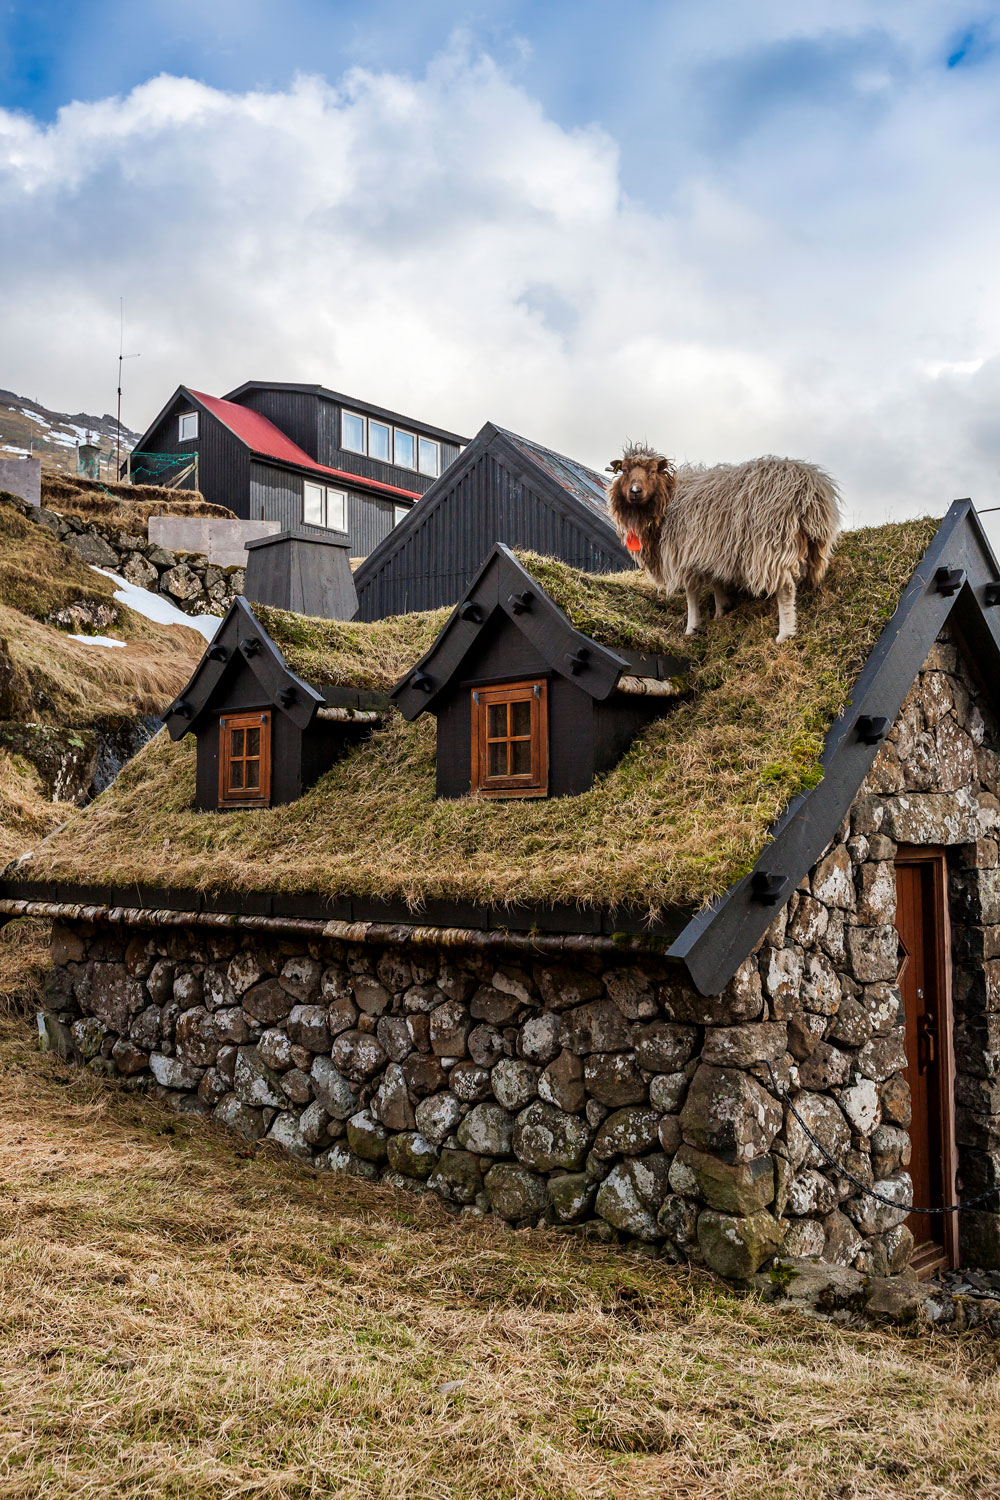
297	454
740	995
502	488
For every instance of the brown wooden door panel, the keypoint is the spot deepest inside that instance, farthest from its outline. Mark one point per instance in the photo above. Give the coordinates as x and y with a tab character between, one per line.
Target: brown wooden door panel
924	982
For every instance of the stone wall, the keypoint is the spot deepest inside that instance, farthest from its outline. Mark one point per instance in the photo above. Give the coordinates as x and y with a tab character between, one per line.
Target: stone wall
608	1096
187	579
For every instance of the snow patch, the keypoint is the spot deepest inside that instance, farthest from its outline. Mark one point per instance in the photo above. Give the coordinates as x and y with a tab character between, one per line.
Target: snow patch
156	607
97	640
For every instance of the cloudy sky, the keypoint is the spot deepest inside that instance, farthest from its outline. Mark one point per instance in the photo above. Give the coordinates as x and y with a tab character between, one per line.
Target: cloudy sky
727	228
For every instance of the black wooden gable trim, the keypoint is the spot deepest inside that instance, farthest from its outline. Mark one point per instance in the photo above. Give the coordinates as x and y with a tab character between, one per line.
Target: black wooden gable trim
502	585
241	634
957	575
162	416
490	440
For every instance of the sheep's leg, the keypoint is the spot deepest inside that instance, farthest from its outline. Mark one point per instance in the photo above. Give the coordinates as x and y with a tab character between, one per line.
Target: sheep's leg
723	603
786	610
694	613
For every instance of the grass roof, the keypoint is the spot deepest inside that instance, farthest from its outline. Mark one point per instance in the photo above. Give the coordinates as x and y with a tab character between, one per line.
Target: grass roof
685	812
122	505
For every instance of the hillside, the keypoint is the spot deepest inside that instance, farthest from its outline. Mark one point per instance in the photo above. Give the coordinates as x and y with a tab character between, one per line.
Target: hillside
27	426
81	678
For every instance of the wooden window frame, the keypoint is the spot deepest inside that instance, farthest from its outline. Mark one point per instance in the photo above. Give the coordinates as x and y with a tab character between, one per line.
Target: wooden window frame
937	857
531	784
230	796
186	416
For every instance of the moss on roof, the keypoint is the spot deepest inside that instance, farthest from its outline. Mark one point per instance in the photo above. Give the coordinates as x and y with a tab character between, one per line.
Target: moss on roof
684	813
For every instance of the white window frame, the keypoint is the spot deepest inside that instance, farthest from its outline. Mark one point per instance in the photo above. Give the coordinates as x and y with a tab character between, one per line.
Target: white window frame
187	437
364	432
399	432
399	513
387	429
430	443
332	501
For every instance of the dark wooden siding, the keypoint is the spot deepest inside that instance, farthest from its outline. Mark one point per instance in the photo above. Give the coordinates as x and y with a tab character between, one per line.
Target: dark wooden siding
293	412
223	461
450	534
330	452
276	495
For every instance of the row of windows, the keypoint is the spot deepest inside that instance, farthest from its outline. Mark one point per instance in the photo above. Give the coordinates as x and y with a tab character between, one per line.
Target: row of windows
510	747
322	505
391	445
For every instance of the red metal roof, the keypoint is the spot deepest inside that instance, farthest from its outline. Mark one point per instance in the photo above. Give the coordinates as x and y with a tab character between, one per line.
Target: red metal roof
263	438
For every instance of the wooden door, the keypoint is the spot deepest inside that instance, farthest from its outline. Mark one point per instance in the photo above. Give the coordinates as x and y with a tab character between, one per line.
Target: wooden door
924	982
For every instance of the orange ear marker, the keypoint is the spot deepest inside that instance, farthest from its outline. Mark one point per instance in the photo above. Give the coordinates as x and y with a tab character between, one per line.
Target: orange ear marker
633	543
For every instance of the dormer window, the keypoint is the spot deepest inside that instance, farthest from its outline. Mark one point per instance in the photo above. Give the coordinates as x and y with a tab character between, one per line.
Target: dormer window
245	760
510	740
187	426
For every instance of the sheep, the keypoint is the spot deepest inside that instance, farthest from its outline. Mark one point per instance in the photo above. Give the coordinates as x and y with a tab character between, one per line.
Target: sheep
761	526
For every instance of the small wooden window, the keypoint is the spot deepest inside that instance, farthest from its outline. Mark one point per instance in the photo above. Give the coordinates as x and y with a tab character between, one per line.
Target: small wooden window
510	740
245	760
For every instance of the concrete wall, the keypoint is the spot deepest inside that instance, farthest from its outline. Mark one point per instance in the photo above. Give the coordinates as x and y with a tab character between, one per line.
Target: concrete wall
22	477
222	541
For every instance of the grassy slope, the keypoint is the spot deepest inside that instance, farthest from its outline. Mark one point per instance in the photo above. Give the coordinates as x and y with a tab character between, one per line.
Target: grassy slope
58	681
181	1316
683	814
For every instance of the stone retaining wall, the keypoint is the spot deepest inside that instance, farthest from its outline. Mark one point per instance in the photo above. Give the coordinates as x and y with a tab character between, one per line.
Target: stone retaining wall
614	1095
187	579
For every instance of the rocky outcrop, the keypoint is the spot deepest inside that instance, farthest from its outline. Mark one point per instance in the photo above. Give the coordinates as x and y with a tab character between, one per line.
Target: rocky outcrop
187	579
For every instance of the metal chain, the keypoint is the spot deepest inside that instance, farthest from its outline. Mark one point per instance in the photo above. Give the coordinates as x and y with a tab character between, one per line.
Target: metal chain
843	1171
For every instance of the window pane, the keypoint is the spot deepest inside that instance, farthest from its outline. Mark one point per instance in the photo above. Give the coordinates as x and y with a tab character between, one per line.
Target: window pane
378	441
236	742
189	426
236	775
352	432
312	504
336	510
496	764
253	742
496	722
520	718
520	757
406	450
398	512
430	457
253	773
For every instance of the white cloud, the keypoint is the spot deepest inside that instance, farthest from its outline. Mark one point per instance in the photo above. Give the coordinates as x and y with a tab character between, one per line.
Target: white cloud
442	246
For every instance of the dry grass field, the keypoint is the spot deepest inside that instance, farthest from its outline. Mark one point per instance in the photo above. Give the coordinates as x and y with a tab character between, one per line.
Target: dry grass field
184	1316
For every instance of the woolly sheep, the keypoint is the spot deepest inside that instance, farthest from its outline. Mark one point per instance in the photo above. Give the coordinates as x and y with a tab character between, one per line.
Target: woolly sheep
762	526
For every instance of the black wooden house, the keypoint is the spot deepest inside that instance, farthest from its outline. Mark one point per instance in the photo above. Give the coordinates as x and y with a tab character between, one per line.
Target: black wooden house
502	488
299	455
526	704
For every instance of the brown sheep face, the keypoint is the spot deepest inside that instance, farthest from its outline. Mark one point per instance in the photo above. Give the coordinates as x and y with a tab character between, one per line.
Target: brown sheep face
641	482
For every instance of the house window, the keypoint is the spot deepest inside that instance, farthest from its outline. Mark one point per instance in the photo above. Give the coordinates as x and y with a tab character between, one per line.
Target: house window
406	450
398	513
430	457
379	441
245	760
188	426
352	432
510	740
324	506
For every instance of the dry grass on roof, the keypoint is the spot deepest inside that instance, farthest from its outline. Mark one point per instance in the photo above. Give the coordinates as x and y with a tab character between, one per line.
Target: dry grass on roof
684	813
351	654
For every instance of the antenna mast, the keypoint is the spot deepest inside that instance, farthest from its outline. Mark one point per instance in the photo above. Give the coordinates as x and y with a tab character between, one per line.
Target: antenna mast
122	356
